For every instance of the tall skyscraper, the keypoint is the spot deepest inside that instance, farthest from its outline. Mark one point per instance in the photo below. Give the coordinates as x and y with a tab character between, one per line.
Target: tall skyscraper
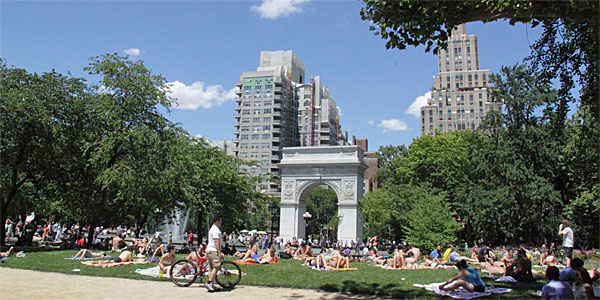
460	98
268	115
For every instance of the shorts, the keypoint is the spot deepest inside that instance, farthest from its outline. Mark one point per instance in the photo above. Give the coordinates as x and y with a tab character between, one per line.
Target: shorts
568	251
479	288
116	259
255	257
214	261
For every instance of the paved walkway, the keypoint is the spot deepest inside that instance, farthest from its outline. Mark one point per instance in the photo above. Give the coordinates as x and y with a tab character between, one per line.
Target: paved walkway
25	284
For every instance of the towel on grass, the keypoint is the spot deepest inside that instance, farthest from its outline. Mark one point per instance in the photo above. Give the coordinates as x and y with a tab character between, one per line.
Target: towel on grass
461	293
251	262
112	263
506	279
153	272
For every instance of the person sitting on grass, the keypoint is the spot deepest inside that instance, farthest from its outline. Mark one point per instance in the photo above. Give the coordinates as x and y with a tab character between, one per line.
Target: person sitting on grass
268	258
201	254
167	260
142	246
118	242
304	251
85	253
251	252
520	269
508	257
547	259
467	278
556	289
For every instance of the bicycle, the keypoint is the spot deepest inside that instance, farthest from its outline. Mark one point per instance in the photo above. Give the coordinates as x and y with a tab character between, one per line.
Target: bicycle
184	273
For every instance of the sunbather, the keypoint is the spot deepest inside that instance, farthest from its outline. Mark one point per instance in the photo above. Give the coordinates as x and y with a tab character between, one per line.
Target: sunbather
167	260
304	251
520	269
467	277
268	258
85	253
251	251
125	256
7	253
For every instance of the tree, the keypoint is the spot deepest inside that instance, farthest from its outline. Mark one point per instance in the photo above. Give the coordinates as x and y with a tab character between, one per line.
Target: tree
430	221
35	114
322	205
568	49
389	159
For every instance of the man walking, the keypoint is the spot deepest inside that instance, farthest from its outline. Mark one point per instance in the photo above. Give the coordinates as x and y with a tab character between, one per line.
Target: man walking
213	252
568	240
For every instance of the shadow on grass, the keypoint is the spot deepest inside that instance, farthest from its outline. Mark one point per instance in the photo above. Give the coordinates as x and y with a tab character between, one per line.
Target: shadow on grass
361	290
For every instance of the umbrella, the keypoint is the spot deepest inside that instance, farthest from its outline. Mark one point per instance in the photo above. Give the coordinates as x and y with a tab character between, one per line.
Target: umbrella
261	232
244	231
253	231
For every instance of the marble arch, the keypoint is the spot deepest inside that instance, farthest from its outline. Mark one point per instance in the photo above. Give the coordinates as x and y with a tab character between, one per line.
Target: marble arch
304	168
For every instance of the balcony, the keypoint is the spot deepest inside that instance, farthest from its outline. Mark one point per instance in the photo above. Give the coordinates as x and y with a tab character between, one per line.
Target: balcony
276	130
276	139
276	106
237	108
237	116
236	124
276	122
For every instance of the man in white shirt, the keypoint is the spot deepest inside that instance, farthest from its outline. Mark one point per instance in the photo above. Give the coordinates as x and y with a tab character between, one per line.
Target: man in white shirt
213	252
568	240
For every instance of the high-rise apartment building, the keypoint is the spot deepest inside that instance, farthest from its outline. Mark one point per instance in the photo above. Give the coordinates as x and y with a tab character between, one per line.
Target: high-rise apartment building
460	98
318	118
277	109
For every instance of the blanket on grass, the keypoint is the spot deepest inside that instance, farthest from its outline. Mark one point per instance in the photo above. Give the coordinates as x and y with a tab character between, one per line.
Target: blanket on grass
153	272
239	262
461	293
109	263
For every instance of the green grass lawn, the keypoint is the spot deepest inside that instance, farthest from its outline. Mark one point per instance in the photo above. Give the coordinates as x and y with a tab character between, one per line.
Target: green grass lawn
289	273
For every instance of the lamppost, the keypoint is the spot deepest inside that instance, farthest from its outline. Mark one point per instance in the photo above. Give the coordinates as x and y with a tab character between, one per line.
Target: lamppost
273	210
306	217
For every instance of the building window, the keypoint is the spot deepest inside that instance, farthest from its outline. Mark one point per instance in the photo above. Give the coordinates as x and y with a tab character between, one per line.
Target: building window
257	88
245	120
476	77
473	126
255	128
246	103
265	146
480	96
430	120
267	110
268	103
245	128
306	96
468	49
247	89
481	111
244	137
255	136
268	87
431	112
256	103
266	136
243	146
267	119
245	112
254	146
440	105
243	154
266	127
255	119
256	112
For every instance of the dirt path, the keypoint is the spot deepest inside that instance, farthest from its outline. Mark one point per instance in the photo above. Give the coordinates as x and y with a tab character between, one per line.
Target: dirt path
25	284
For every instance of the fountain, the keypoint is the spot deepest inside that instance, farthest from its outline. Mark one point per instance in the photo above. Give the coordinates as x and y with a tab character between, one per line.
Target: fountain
177	225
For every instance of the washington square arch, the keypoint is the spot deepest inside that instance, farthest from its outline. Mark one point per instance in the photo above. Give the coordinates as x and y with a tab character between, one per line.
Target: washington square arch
305	168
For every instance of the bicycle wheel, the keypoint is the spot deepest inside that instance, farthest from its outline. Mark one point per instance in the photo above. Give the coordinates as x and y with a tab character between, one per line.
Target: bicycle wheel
183	273
229	275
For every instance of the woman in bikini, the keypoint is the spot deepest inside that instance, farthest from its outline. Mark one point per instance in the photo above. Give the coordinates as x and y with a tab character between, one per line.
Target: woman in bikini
167	260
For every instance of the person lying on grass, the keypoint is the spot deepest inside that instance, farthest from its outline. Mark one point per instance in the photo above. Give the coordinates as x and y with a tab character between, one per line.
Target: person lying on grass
467	278
85	253
167	260
125	256
7	253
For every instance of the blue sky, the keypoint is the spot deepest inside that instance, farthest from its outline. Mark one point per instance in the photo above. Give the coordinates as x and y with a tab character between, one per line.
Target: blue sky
202	47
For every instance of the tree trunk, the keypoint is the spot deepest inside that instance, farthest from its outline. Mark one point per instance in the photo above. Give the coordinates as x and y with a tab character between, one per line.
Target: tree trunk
199	226
3	216
90	235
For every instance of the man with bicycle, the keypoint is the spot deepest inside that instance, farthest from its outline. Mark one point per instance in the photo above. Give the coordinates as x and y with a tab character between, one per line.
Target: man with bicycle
213	252
568	240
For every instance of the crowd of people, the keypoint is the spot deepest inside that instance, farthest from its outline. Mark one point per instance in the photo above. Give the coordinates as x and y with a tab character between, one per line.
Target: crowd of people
574	281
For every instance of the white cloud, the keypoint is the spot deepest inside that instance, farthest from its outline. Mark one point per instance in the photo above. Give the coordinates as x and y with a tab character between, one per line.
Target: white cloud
273	9
415	108
193	96
132	51
371	122
392	125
